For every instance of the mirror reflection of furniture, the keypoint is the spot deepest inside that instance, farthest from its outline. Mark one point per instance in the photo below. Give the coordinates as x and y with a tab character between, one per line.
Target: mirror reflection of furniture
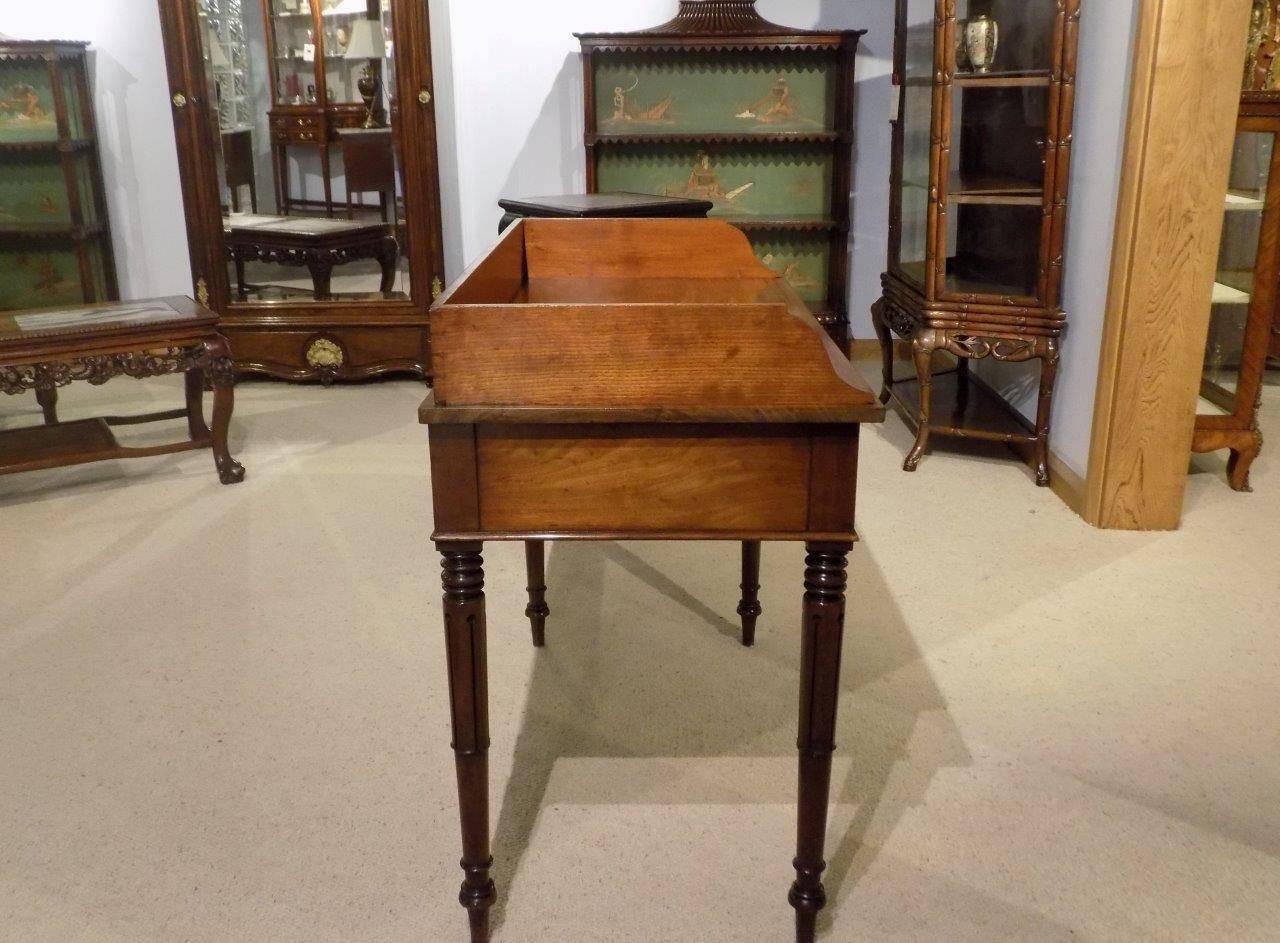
344	302
367	43
315	244
980	174
237	155
368	159
314	88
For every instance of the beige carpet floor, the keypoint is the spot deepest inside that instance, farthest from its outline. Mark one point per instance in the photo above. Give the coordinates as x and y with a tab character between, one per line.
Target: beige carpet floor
223	710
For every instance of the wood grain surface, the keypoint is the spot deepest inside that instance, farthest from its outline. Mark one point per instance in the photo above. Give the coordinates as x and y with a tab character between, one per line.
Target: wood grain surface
583	478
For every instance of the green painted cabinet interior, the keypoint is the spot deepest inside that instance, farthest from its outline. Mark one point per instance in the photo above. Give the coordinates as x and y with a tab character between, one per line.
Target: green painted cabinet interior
719	104
55	243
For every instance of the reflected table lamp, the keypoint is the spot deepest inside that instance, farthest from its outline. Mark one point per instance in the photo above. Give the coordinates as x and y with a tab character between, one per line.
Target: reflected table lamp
367	43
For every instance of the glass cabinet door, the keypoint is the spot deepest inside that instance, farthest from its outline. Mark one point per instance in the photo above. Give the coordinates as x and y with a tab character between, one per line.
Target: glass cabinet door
997	115
1238	258
916	73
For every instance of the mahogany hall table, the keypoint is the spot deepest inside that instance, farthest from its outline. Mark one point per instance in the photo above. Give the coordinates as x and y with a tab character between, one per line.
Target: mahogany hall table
639	380
42	350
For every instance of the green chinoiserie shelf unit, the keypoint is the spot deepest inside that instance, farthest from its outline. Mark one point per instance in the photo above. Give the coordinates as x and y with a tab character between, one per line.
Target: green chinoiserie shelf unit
722	105
55	244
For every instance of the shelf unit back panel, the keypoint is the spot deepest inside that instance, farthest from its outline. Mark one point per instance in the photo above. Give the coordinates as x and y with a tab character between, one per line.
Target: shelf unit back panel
743	183
34	191
40	274
716	92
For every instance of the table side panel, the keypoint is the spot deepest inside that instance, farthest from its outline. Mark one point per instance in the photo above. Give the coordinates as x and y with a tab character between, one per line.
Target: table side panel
642	479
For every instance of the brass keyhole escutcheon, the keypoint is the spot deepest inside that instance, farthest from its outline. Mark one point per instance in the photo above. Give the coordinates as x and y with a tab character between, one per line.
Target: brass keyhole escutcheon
179	100
424	97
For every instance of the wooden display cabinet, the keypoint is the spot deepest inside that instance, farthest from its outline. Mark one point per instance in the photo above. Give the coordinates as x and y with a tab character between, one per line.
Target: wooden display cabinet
310	298
720	104
55	241
978	208
1246	299
313	87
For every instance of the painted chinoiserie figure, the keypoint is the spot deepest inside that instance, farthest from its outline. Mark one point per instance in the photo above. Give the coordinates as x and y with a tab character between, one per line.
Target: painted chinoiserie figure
1246	297
720	104
55	242
618	379
978	209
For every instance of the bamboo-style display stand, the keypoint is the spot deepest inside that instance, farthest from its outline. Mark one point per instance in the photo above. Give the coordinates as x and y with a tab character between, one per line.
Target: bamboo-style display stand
978	212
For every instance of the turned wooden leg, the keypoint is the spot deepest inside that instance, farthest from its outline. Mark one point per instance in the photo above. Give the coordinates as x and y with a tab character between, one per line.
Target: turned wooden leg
462	573
1044	410
749	607
195	405
537	610
47	397
1240	462
222	373
922	347
242	291
885	335
822	636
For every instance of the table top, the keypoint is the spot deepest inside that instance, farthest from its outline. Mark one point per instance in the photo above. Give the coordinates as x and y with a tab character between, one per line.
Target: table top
257	224
21	328
606	204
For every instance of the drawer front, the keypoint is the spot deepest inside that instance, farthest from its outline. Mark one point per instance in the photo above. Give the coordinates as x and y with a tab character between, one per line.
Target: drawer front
578	479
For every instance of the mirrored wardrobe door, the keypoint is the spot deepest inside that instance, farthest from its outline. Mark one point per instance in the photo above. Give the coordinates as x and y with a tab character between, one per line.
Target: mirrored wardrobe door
311	189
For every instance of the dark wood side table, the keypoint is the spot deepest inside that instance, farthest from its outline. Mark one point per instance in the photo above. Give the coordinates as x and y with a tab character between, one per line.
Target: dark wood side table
42	350
601	205
369	165
318	244
237	157
639	380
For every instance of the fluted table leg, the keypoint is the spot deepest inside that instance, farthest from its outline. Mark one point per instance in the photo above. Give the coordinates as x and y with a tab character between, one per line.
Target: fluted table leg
749	607
825	579
462	573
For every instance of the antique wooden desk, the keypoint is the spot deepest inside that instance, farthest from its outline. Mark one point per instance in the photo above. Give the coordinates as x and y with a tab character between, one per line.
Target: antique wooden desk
45	349
318	244
639	379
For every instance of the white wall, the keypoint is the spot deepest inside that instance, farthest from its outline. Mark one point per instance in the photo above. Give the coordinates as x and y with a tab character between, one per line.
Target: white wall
139	158
509	103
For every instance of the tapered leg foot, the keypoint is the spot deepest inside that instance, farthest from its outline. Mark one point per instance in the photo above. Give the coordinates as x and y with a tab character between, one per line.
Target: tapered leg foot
537	610
1240	462
749	607
822	639
462	575
221	372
